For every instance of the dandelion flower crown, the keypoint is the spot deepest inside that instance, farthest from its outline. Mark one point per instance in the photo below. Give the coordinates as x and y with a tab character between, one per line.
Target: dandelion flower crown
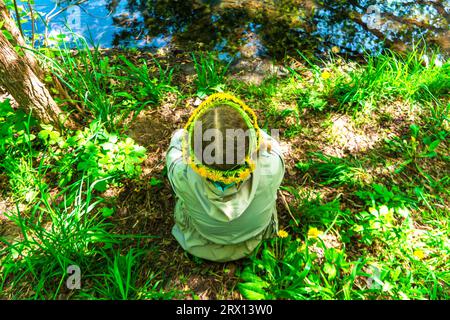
243	171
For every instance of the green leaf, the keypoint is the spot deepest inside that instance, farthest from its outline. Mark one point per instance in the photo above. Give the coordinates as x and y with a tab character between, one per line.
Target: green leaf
414	130
430	154
101	186
251	291
248	276
124	95
108	146
140	151
49	133
83	165
434	145
5	108
330	270
54	137
155	182
107	212
383	210
303	166
43	134
129	168
7	35
113	139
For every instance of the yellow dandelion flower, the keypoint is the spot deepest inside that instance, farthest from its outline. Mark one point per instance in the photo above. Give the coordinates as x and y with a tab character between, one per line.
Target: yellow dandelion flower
228	180
282	234
201	171
335	49
314	233
214	176
251	164
419	254
251	119
325	75
243	174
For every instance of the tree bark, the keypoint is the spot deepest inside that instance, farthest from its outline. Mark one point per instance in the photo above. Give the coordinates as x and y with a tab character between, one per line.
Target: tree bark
18	77
10	25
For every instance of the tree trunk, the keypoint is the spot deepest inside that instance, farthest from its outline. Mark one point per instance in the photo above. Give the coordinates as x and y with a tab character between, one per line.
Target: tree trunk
10	25
18	77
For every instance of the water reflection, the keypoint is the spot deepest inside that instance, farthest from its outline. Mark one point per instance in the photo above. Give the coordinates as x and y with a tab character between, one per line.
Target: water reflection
260	27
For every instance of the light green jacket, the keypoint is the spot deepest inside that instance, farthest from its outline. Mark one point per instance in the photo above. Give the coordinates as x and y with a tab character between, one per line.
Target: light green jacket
224	225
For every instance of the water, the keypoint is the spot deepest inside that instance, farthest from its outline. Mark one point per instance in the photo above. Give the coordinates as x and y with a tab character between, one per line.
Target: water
251	27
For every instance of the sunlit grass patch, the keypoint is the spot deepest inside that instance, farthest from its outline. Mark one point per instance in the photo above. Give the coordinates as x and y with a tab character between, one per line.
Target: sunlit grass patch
106	87
210	74
335	171
366	215
377	251
393	75
340	84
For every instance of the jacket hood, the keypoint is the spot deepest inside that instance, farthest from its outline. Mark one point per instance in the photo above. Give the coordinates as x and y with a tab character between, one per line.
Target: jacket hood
229	204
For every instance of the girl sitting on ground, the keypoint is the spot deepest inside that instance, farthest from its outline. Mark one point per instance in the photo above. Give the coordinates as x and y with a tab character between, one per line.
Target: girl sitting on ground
225	172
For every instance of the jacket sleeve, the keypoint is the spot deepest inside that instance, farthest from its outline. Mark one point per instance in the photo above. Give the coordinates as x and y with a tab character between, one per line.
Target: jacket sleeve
174	159
277	168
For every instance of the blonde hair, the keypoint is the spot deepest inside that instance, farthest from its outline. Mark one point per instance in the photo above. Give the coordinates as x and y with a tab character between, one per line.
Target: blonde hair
233	148
230	110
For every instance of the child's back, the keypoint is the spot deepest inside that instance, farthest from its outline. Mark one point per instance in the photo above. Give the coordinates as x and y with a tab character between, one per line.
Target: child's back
223	222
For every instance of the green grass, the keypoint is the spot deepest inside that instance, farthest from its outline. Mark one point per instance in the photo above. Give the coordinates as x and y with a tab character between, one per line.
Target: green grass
107	88
71	227
335	171
210	74
87	76
393	262
120	279
389	76
371	224
150	86
382	234
394	76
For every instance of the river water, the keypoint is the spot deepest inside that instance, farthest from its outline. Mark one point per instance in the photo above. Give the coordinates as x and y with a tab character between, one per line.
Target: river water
253	27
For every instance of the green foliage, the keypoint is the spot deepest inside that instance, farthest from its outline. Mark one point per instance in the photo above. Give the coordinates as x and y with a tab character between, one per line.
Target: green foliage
288	269
18	154
78	236
357	234
418	145
43	255
384	77
392	258
149	89
210	74
392	75
102	156
120	280
70	227
109	90
87	75
378	193
312	100
335	171
154	182
13	129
